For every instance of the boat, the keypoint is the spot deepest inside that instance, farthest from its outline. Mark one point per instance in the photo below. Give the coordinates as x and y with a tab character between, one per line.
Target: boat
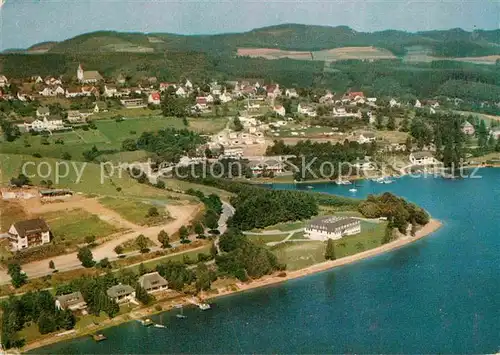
147	322
180	315
310	187
159	326
99	337
204	306
343	182
353	190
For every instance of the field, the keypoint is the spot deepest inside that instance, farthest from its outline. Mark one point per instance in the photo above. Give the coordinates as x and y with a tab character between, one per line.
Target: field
298	255
181	185
264	239
108	137
11	212
419	54
71	227
327	55
134	211
90	181
131	245
285	227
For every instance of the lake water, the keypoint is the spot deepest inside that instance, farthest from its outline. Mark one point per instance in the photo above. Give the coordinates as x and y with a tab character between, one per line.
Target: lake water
440	294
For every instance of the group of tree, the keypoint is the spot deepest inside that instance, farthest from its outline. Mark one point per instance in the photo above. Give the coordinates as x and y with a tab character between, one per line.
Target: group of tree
399	212
244	259
32	307
174	106
20	180
213	210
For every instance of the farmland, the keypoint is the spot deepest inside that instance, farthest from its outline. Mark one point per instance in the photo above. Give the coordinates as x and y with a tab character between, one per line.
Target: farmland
107	137
134	211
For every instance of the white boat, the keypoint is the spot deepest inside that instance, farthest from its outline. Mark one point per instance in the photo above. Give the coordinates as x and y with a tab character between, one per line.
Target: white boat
388	181
310	187
343	182
353	190
204	306
180	315
159	326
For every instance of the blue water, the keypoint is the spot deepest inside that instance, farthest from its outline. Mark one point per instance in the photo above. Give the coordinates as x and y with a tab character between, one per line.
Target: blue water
440	294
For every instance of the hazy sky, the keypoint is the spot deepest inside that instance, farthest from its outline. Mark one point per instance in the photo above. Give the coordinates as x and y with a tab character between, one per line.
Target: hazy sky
26	22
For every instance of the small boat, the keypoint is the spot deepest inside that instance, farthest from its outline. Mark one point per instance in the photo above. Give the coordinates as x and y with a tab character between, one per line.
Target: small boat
147	322
99	337
204	306
343	182
353	190
159	326
180	315
388	181
310	187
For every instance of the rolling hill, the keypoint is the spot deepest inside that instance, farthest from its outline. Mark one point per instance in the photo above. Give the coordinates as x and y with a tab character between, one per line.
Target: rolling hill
291	37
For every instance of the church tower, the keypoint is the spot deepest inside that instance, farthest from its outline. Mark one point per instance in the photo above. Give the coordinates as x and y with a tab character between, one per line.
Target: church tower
79	73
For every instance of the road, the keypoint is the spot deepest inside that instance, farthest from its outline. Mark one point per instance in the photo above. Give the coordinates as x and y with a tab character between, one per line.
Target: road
227	211
183	215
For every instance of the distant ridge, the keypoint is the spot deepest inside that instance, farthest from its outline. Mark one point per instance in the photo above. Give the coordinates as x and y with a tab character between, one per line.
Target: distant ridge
289	36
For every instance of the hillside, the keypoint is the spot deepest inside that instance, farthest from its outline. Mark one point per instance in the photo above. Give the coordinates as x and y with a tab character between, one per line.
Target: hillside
293	37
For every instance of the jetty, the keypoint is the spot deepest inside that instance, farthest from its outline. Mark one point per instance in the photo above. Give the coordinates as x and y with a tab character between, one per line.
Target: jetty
200	305
99	337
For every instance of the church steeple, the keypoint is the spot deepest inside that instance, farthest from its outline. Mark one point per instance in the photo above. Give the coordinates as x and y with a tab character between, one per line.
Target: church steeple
79	72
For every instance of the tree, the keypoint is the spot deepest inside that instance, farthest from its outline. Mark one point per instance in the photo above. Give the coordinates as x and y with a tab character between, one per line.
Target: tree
104	264
89	239
66	156
388	235
18	277
142	295
183	234
391	123
211	219
153	212
330	250
85	256
237	124
198	228
129	144
52	265
142	243
118	249
46	323
164	239
203	278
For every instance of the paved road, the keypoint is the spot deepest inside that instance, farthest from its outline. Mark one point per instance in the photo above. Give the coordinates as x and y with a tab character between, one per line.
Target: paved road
227	211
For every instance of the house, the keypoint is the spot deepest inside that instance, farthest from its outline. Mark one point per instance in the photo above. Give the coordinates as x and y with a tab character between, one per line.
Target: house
100	106
339	112
152	80
418	104
42	111
59	90
225	97
73	92
133	103
110	90
74	116
433	103
47	92
72	301
188	85
371	99
366	137
306	110
273	90
154	98
215	89
201	102
327	98
332	227
153	282
355	96
291	93
88	77
181	92
468	129
422	158
259	166
280	110
495	133
121	293
165	86
37	79
3	81
120	79
394	103
28	234
52	81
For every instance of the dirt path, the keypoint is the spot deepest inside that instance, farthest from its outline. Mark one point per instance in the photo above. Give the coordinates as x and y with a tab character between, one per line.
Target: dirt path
183	215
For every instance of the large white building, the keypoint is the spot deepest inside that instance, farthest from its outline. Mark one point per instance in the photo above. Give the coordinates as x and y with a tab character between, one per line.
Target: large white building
423	158
29	233
332	227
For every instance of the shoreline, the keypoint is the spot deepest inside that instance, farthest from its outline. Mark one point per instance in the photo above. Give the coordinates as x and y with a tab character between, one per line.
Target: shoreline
274	279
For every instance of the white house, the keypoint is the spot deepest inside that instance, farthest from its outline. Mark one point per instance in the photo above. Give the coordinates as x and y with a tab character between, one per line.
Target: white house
291	93
366	137
306	110
394	103
47	92
59	90
100	106
280	110
181	92
332	227
418	104
468	128
3	81
215	89
154	98
110	90
28	233
225	97
188	85
422	158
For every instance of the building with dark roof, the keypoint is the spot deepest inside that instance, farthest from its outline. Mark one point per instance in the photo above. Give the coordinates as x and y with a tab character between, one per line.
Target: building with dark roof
121	293
72	301
153	282
332	227
28	234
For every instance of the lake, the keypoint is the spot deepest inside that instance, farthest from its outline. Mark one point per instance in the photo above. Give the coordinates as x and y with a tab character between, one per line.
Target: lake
440	294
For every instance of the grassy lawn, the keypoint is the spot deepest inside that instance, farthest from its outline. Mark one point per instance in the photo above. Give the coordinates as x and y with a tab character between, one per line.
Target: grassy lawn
263	239
185	185
89	319
30	333
90	182
126	112
134	211
285	227
298	235
192	255
71	227
299	255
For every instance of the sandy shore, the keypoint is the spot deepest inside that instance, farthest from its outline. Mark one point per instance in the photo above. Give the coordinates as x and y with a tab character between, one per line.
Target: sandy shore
429	228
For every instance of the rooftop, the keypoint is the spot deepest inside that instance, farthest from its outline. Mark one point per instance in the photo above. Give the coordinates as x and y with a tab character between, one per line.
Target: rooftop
35	225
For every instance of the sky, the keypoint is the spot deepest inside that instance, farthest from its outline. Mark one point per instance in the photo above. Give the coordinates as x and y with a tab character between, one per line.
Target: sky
26	22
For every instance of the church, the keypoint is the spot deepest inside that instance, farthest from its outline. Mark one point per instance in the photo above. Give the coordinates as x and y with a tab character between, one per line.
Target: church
88	77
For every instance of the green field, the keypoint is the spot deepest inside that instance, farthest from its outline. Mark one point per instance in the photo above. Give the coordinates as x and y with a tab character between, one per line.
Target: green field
134	211
284	227
264	239
73	226
298	255
108	137
90	182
